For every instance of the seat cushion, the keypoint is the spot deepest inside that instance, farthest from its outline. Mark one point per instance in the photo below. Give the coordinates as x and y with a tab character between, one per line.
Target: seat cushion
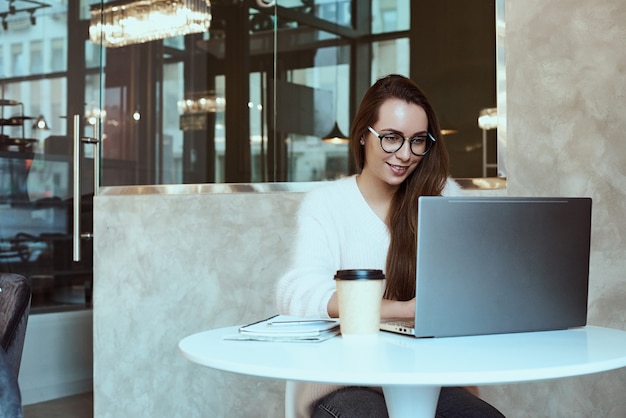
15	297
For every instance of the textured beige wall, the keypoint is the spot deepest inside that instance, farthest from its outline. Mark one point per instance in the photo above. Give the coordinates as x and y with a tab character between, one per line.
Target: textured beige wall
167	266
566	134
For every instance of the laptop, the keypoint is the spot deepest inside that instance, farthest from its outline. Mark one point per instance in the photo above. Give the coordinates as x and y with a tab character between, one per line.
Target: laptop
495	265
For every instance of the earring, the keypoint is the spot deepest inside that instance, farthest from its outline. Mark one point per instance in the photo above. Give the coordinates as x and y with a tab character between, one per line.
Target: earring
362	142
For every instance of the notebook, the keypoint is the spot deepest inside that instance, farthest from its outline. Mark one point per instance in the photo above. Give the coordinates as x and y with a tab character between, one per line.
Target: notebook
286	328
494	265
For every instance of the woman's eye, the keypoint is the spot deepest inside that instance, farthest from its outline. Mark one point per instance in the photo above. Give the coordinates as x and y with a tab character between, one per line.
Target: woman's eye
418	140
393	138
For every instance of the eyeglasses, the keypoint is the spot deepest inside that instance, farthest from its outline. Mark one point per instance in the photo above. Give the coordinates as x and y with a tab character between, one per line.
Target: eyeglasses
392	142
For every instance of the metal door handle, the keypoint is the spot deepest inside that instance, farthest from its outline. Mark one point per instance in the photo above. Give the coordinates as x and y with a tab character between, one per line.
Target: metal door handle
78	140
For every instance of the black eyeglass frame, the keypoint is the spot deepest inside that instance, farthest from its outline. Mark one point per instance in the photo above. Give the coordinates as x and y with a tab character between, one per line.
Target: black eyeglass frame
382	136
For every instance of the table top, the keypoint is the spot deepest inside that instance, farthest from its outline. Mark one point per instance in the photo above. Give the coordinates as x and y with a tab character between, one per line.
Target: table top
390	359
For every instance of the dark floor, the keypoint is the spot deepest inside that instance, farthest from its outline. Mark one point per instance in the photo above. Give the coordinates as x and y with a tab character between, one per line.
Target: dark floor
77	406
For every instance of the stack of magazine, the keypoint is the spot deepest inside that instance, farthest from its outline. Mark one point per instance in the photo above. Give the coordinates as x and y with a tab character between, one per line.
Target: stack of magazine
284	328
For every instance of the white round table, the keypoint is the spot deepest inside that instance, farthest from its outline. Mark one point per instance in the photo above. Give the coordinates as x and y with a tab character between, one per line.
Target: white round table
412	371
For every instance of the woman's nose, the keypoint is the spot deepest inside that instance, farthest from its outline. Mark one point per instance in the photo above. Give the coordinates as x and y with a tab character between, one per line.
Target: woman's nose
404	153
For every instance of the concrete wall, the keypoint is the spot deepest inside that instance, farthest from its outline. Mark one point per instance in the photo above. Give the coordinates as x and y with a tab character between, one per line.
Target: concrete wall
166	267
566	135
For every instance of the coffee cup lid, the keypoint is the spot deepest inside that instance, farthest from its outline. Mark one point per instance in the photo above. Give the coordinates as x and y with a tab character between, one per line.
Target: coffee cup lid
359	274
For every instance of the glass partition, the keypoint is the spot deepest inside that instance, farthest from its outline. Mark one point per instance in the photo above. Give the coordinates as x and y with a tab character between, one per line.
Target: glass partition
250	99
39	83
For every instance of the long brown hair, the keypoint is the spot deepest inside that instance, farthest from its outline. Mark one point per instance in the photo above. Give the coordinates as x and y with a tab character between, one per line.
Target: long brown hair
428	179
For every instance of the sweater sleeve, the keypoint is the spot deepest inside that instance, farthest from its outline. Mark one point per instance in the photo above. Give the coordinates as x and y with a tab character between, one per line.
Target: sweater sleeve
336	230
308	286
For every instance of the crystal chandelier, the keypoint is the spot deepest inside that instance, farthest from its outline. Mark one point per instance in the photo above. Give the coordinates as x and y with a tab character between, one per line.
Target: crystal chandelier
209	103
126	22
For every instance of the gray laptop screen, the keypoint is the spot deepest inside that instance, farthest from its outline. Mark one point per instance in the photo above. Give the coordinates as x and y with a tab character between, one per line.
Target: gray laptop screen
499	265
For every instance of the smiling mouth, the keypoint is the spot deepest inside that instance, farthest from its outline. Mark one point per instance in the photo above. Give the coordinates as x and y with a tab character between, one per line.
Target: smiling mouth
398	168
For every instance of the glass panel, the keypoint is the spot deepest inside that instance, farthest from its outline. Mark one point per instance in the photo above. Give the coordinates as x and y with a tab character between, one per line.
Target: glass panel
302	58
390	16
36	57
310	158
258	132
172	149
266	83
93	57
501	89
85	8
148	80
58	55
336	11
35	163
39	97
17	59
393	56
458	76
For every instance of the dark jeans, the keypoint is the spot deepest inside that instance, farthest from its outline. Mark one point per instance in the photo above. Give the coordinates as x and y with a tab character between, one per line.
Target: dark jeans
360	402
10	397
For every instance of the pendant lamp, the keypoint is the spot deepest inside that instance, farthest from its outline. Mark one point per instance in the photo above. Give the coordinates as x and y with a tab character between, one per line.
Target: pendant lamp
335	136
41	124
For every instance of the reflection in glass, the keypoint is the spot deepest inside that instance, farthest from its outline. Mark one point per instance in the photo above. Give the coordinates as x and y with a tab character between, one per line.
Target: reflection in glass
126	22
390	16
392	56
306	65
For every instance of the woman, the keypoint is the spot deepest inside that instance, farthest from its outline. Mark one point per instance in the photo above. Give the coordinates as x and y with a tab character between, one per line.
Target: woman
369	221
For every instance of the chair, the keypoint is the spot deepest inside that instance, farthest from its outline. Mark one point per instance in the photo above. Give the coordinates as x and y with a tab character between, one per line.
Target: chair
10	397
15	298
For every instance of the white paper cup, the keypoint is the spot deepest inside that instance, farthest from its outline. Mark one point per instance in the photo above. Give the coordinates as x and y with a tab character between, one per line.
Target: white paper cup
359	293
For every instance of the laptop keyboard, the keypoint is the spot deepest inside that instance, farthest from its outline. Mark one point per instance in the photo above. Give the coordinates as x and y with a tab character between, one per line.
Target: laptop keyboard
404	323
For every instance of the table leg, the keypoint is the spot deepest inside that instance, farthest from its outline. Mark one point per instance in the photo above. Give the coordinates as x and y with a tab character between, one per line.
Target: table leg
411	401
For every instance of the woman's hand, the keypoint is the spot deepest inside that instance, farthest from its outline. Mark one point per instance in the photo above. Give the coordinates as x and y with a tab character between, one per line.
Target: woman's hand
397	309
388	308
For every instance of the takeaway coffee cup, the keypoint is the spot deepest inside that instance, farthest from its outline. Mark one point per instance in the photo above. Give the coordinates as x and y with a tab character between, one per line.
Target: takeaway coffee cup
359	293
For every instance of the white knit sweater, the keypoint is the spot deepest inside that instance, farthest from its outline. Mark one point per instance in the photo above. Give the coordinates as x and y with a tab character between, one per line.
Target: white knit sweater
337	230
